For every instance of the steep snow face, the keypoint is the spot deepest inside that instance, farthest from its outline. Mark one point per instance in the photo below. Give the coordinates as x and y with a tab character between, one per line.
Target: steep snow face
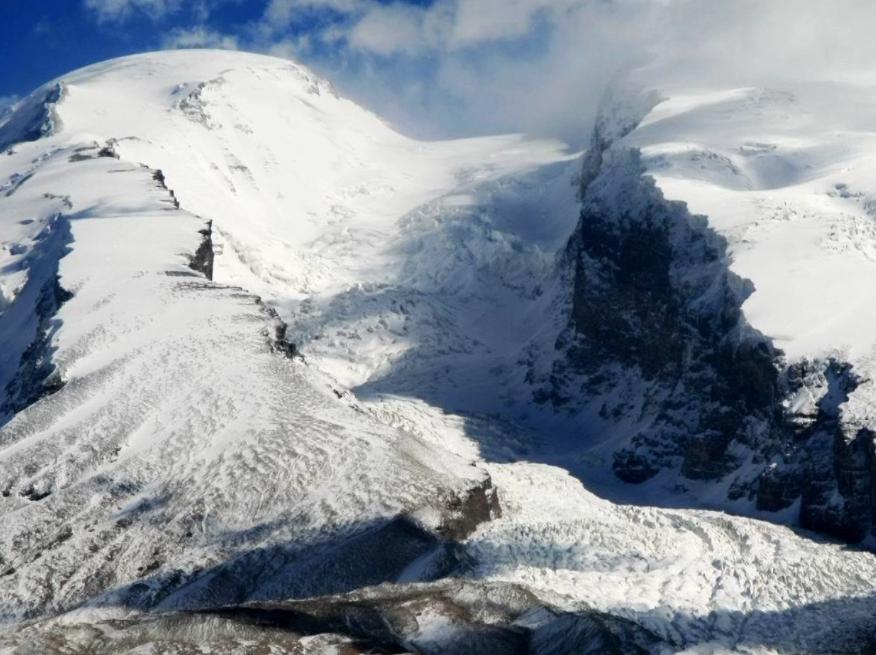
274	156
323	209
166	449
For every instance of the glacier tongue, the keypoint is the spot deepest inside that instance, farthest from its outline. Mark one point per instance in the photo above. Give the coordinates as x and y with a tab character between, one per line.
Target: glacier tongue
183	471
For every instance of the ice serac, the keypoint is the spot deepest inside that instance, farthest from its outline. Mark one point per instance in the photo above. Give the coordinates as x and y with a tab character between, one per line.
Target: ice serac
659	342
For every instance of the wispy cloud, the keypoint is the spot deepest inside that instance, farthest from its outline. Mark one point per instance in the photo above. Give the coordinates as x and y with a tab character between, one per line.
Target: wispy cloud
473	66
119	10
199	37
462	67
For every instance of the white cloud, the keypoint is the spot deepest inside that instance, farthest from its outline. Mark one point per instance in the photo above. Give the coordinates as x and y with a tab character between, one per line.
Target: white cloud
199	37
386	30
463	67
450	24
279	14
118	10
474	66
491	19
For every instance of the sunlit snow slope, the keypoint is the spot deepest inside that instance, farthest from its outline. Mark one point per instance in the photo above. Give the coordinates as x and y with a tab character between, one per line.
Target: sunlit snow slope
172	223
786	176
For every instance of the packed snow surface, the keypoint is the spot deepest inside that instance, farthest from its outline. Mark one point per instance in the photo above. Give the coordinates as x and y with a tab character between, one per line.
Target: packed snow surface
413	277
786	177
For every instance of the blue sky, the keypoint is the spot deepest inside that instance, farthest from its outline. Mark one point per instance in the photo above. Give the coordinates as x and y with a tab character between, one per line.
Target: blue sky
439	68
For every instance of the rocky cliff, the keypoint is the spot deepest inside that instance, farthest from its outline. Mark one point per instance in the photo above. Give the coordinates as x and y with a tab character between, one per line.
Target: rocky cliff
658	342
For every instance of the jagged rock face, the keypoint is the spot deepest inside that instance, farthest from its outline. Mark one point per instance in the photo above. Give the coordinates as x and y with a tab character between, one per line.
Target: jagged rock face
36	374
652	293
656	333
829	460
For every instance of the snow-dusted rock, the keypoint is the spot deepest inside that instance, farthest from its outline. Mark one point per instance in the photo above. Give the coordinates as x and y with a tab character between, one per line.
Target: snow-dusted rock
694	339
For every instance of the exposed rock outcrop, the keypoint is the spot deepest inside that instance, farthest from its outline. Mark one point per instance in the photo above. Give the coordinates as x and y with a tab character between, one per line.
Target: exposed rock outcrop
277	337
463	513
84	153
202	260
658	343
36	376
417	546
655	323
451	617
828	462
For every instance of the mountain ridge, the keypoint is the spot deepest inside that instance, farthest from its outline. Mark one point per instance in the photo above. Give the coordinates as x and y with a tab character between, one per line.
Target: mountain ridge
194	470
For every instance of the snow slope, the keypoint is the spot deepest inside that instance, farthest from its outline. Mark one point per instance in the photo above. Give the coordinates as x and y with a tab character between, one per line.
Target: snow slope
186	458
786	179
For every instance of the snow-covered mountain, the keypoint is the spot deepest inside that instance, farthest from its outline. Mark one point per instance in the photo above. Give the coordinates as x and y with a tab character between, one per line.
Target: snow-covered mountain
275	376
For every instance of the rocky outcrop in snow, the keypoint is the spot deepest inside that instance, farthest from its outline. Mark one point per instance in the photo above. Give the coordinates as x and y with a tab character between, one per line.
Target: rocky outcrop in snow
30	322
445	618
658	343
202	260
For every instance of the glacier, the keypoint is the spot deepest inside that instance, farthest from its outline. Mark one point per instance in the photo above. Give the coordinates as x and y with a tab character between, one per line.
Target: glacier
277	378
